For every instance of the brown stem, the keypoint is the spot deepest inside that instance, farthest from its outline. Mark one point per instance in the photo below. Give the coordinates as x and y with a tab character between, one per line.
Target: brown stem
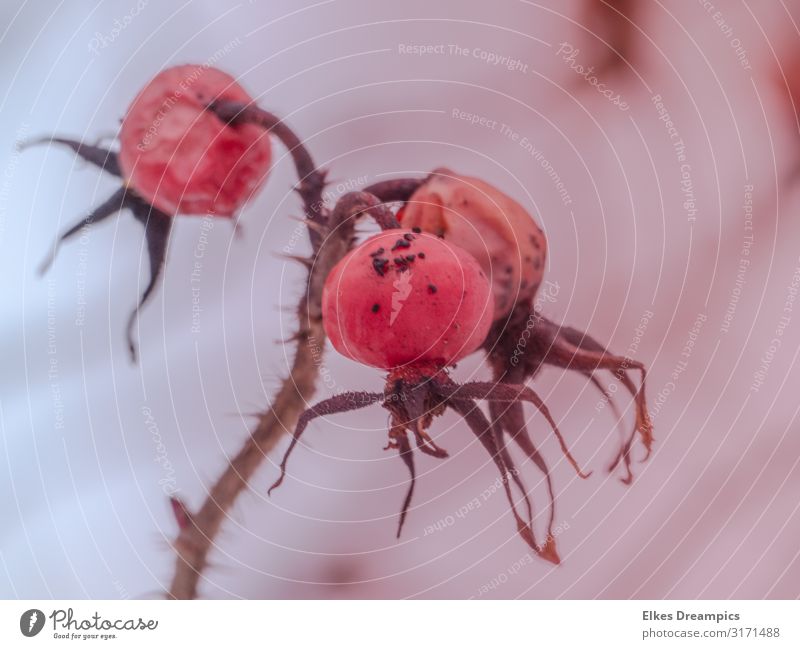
397	189
196	539
312	180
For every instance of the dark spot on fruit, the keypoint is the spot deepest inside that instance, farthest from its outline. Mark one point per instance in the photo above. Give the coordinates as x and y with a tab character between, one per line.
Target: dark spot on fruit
376	308
421	255
537	264
380	266
410	257
401	243
535	241
379	251
528	258
432	289
440	234
509	269
416	230
408	237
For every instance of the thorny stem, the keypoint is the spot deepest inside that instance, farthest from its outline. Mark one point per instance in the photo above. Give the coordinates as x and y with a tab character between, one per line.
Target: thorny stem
196	539
312	180
397	189
334	230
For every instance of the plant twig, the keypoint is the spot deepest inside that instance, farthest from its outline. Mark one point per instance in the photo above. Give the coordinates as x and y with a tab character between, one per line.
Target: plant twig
197	537
331	235
312	180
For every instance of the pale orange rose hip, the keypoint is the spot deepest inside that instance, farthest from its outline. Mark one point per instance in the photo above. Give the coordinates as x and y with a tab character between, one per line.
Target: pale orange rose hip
490	225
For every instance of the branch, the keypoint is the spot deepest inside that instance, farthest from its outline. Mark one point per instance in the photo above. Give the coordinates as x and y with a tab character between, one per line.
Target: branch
197	537
312	180
397	189
334	234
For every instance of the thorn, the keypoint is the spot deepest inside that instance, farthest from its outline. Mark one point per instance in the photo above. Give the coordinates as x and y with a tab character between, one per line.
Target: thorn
291	339
132	351
275	484
27	144
43	267
181	513
305	261
319	228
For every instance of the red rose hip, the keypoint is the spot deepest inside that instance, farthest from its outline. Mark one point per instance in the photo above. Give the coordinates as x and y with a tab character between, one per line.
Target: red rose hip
407	298
184	159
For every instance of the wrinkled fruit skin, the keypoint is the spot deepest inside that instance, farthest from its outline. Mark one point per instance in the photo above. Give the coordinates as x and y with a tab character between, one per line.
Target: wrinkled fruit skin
495	229
404	298
183	159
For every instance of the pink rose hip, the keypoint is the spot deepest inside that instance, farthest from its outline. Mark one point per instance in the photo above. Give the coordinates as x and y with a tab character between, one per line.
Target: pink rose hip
184	159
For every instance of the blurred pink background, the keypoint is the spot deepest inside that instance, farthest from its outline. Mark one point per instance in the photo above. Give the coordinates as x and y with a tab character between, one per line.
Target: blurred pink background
92	445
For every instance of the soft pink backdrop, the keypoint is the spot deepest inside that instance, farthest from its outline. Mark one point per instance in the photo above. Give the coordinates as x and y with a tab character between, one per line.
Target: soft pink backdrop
714	513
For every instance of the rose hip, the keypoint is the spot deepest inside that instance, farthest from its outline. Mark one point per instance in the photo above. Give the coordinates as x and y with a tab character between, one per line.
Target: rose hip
178	155
184	159
405	298
495	229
